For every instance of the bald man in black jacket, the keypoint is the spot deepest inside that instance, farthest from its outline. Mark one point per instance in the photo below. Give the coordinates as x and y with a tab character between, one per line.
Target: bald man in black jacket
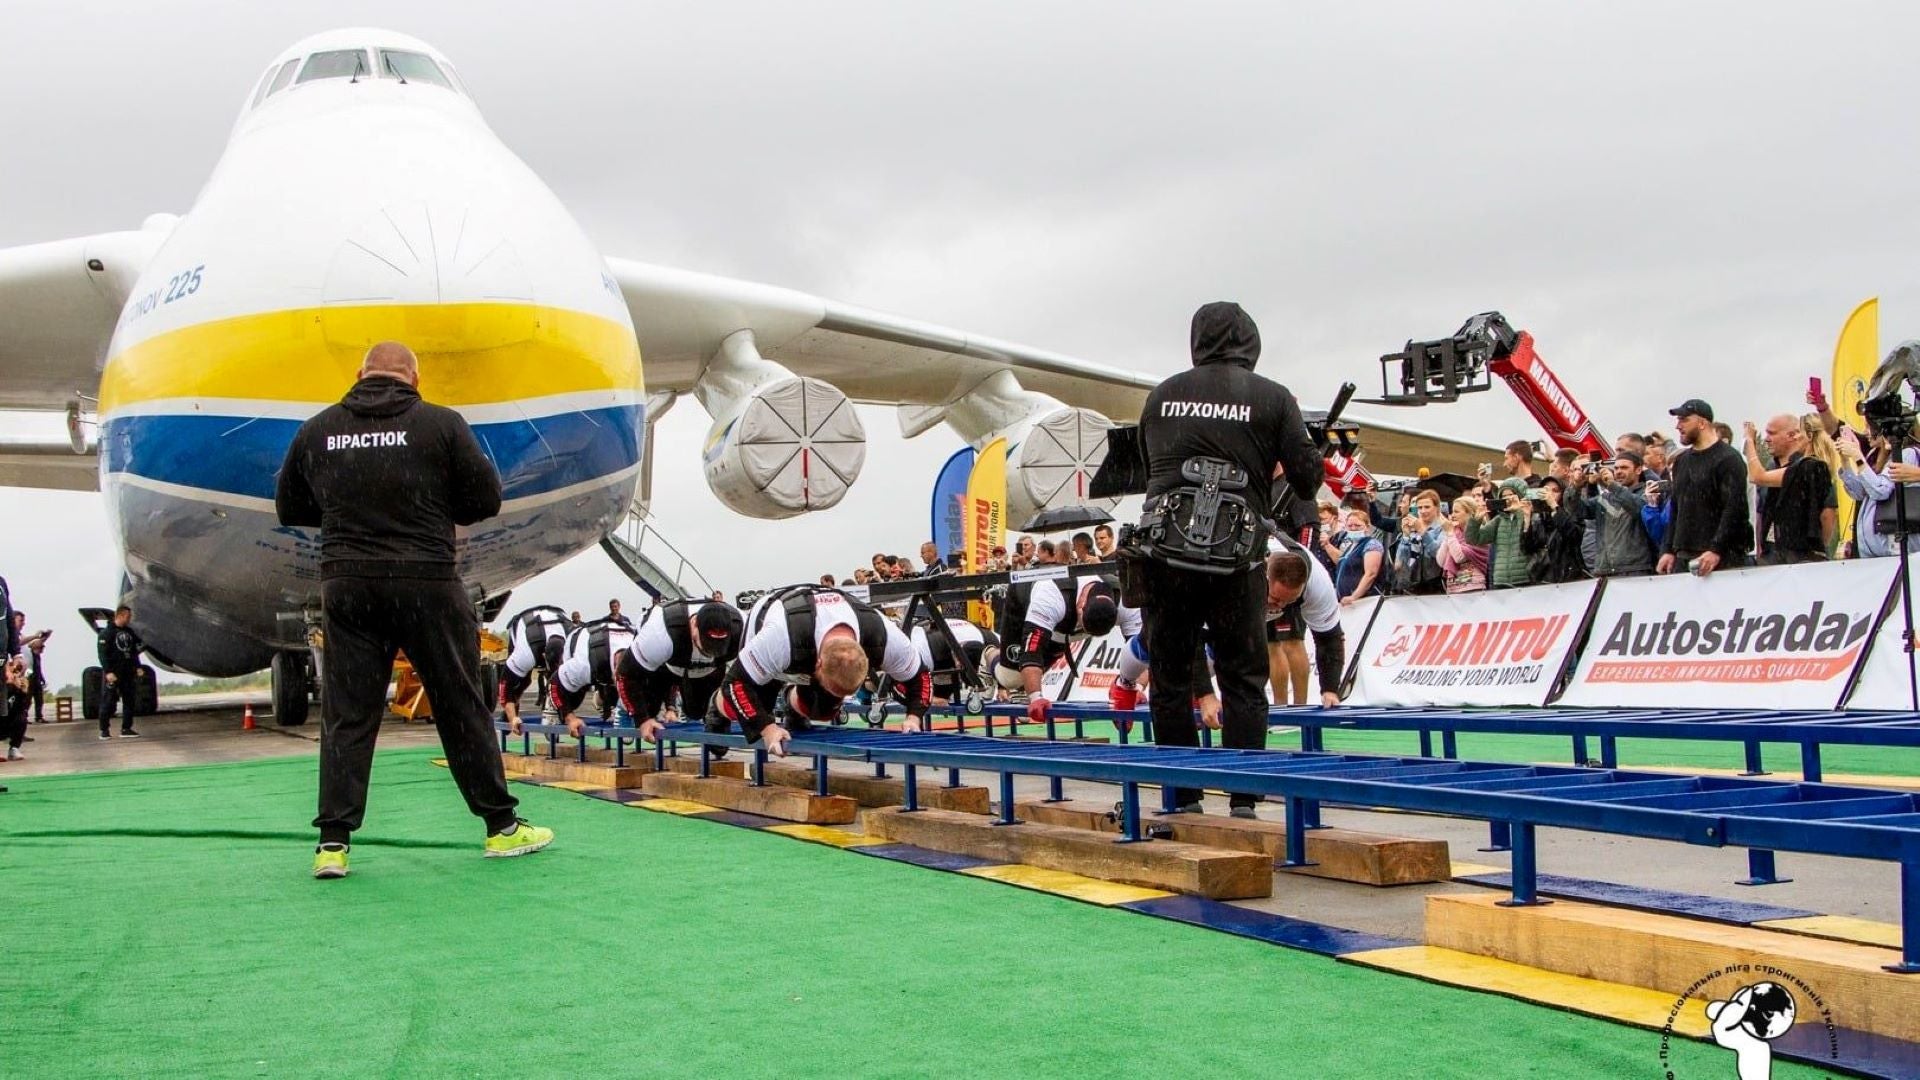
387	476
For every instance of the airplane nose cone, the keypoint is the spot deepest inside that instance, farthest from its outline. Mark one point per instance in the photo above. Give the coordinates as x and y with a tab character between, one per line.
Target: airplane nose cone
419	253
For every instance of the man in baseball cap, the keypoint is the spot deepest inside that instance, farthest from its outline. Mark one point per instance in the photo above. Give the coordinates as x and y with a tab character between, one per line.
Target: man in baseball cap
1693	407
1712	521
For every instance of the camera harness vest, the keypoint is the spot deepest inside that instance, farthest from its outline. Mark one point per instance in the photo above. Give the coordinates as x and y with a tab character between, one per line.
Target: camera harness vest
1206	526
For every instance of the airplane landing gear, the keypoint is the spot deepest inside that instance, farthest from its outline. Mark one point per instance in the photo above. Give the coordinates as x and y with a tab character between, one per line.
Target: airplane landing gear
292	687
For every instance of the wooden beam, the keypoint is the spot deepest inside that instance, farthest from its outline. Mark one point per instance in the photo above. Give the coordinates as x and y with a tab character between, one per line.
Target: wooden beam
600	771
1339	854
1670	954
784	803
1158	864
870	790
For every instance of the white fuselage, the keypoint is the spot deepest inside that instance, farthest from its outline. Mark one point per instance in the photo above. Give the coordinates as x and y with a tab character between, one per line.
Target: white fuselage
343	213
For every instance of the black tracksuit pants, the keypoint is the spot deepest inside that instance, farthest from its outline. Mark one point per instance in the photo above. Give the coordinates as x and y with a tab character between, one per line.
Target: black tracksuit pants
1232	609
366	621
122	694
15	719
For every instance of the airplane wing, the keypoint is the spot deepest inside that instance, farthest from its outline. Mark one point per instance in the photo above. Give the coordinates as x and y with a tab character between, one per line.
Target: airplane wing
681	317
59	302
1395	450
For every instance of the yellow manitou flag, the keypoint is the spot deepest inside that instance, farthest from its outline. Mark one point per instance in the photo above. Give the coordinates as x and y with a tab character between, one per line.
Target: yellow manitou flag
986	516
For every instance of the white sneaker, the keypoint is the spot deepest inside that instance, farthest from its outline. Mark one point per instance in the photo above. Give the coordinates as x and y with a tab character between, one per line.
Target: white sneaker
14	754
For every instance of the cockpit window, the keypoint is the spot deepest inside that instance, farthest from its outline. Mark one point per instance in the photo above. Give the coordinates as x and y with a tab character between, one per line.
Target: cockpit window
260	92
284	77
335	64
411	67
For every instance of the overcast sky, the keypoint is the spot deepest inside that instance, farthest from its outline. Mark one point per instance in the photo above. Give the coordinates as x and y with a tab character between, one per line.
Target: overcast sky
1678	200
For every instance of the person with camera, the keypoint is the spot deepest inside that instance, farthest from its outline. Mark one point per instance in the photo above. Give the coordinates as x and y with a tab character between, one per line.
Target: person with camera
1500	532
1611	502
1212	436
1416	555
1871	478
1552	539
1710	526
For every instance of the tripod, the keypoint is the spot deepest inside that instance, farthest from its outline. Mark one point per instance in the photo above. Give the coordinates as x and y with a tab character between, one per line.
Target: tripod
1903	528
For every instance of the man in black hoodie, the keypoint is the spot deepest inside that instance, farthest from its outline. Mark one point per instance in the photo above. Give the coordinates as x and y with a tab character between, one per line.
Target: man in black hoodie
1220	410
119	650
386	477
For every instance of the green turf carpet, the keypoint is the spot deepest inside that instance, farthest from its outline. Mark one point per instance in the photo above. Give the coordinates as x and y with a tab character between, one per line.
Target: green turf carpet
162	923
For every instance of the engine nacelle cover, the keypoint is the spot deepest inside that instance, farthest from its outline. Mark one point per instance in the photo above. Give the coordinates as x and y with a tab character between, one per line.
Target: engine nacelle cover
792	446
1054	462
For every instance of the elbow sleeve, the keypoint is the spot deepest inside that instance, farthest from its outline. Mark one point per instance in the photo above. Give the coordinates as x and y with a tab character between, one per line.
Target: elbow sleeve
1330	658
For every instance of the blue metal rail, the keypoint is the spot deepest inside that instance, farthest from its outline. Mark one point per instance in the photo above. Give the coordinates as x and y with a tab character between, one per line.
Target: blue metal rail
1822	819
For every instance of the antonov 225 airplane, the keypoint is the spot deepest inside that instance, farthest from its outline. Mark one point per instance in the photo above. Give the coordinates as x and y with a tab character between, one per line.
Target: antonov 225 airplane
361	197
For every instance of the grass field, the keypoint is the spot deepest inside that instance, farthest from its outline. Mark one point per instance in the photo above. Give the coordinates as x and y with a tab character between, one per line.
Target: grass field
162	923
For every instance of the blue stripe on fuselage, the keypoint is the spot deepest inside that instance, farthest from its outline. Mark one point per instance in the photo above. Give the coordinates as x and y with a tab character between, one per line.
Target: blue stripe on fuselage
242	456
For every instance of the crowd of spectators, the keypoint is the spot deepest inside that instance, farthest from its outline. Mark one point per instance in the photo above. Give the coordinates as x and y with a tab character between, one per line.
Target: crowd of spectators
1696	500
1081	547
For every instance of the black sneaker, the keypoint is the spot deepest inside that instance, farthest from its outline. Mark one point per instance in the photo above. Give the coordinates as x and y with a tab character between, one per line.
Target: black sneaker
105	735
129	733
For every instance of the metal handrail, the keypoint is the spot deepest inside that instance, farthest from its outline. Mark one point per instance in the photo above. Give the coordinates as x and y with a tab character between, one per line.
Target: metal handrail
639	536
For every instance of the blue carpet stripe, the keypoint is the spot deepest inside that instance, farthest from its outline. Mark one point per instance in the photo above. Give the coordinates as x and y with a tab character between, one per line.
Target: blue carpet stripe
1264	926
1711	908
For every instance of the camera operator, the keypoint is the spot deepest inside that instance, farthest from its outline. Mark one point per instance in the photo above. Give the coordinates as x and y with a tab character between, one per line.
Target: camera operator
1869	479
1213	435
1500	530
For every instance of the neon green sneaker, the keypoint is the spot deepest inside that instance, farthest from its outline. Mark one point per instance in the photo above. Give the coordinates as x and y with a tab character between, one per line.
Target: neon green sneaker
330	861
522	839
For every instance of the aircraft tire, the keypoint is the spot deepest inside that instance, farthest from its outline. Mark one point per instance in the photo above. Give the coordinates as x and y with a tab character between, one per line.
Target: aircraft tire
92	686
292	688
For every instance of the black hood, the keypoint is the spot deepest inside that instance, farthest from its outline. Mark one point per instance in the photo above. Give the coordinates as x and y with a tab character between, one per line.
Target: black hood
1224	334
380	396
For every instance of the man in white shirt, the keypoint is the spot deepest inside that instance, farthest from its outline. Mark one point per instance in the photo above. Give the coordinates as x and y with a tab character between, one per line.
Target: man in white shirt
818	645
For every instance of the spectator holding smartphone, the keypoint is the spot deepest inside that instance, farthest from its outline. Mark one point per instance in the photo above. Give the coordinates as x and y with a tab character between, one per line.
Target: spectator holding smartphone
1499	532
1869	478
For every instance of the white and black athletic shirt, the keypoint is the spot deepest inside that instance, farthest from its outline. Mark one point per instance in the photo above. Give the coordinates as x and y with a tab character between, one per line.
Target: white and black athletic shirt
768	652
1047	608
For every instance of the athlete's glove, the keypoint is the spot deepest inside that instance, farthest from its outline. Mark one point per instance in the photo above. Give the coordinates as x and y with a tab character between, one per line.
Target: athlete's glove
1123	695
1038	708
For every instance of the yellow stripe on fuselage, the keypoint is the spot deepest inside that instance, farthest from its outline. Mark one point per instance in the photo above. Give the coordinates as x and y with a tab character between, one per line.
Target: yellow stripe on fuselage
470	354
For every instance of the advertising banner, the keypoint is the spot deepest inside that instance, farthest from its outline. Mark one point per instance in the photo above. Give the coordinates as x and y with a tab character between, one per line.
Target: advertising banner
1883	682
949	509
1784	637
986	515
1485	648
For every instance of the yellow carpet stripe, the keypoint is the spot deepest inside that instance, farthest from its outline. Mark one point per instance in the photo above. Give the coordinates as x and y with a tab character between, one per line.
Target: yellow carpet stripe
821	834
1592	997
674	806
470	354
1838	928
1061	883
576	785
1474	869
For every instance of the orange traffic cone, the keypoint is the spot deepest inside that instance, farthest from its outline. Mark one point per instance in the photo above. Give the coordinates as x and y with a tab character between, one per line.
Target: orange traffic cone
246	723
